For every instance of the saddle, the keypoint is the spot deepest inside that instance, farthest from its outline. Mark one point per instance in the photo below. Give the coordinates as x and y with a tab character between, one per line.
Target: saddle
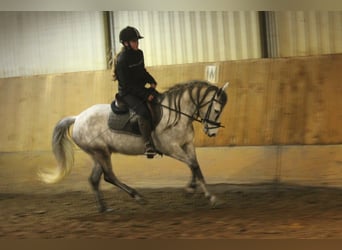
124	119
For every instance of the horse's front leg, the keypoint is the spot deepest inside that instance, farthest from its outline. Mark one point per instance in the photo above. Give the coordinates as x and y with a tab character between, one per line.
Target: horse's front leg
187	154
196	170
192	186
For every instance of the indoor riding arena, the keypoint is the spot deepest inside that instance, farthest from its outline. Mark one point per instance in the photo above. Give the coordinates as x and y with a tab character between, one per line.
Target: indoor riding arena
275	167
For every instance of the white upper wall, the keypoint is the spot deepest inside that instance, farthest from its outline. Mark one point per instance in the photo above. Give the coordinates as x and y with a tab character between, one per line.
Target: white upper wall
305	33
34	43
175	37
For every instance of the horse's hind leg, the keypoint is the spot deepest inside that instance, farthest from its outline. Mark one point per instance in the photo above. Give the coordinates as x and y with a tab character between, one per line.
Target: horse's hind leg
94	180
104	160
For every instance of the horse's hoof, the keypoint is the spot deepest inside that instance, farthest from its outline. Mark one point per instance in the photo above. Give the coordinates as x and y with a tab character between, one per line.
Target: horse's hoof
105	210
190	190
213	201
216	203
140	200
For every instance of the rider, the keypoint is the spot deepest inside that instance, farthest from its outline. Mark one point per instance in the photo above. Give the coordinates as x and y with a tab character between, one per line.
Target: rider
129	70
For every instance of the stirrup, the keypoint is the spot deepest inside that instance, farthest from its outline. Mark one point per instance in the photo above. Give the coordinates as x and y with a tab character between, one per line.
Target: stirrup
150	155
150	152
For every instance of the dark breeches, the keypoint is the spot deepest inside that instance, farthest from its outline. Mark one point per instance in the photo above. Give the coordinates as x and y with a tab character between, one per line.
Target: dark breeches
138	105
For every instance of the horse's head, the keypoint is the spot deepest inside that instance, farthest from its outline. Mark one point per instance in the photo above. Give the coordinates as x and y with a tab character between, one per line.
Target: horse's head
212	109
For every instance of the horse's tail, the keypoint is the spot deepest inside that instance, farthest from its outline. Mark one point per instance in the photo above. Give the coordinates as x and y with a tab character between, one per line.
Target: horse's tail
62	148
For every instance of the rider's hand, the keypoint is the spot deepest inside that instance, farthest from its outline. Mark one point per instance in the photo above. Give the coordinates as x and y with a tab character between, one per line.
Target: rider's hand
150	98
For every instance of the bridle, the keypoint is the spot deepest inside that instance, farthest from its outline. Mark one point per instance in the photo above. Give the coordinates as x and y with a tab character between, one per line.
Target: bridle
209	124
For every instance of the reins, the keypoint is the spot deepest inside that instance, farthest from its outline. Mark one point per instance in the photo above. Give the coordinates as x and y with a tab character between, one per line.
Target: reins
192	117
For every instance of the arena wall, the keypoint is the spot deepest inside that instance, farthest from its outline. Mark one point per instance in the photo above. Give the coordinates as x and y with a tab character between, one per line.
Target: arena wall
271	101
282	121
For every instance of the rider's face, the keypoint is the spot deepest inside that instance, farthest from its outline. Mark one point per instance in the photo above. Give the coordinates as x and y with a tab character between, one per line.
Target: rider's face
134	44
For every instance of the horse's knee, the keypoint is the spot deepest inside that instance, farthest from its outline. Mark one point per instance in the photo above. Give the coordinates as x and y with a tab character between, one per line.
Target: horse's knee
94	182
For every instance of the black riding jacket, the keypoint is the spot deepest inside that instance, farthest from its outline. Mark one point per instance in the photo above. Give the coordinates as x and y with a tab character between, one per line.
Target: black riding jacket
131	74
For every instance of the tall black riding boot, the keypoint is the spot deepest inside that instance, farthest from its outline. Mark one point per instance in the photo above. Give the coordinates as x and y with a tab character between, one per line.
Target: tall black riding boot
145	129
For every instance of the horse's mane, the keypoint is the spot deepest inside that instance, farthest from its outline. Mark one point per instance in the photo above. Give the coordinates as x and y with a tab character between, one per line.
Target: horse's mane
181	87
173	95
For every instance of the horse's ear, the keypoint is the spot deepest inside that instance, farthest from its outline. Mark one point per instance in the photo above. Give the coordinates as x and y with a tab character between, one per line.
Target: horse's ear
225	86
219	92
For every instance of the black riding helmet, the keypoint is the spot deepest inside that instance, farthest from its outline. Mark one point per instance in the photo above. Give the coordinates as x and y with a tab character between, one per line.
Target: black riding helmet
128	34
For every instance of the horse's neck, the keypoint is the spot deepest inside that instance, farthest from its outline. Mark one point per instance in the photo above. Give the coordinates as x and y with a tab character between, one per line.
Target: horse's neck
178	111
183	103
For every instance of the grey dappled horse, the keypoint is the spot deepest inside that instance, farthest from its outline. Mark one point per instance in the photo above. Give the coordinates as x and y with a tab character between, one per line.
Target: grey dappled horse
173	136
